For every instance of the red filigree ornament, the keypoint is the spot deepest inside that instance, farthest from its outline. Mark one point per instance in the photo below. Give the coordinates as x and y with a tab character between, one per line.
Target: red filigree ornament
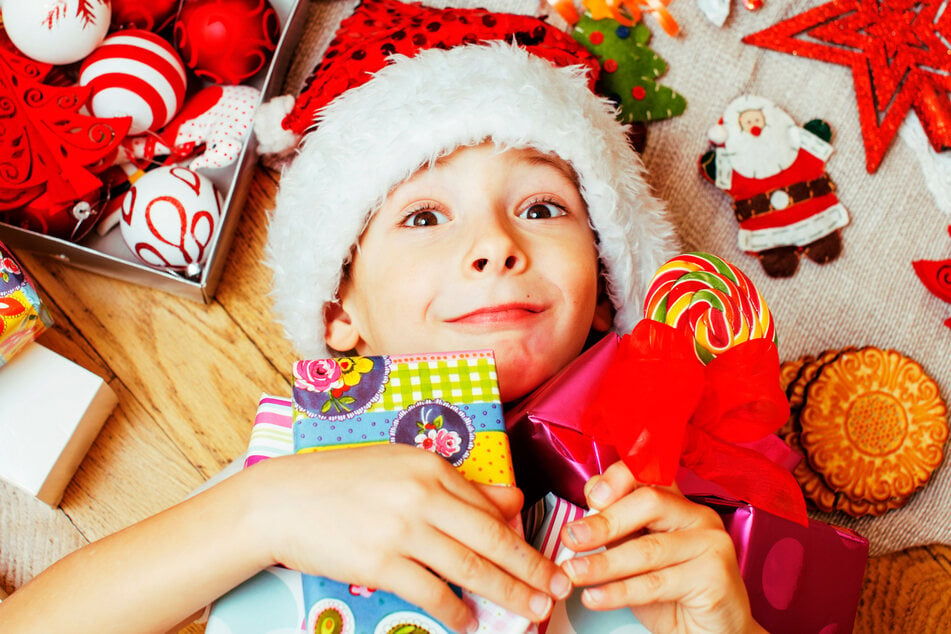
899	55
50	154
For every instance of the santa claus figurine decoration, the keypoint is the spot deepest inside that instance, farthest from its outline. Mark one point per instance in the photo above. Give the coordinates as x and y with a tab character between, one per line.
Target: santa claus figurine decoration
775	172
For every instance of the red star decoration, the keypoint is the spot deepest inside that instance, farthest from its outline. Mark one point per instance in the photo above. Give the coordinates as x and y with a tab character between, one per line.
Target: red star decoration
900	58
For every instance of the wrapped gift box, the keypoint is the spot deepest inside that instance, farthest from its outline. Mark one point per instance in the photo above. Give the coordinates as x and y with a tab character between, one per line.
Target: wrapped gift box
23	316
800	579
51	411
380	407
109	255
444	403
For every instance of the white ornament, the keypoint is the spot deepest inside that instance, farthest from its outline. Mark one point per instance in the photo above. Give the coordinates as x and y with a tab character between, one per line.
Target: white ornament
218	117
715	10
169	217
56	31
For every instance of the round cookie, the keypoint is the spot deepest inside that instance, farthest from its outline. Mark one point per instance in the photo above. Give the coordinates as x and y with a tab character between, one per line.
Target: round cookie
789	370
873	425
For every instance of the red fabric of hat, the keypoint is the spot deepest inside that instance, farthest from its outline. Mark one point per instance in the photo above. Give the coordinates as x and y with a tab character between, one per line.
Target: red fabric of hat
380	28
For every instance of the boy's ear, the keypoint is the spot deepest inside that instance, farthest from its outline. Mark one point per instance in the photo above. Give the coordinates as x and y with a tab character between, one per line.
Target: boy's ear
340	333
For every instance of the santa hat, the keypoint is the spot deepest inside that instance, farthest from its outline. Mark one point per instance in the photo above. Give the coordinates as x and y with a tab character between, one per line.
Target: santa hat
512	80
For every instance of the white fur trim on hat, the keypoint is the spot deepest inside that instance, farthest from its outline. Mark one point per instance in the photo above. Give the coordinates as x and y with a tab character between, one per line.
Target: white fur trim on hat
375	136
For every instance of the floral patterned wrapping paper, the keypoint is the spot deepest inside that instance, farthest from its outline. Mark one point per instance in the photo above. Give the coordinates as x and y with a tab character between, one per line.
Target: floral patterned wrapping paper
23	316
446	403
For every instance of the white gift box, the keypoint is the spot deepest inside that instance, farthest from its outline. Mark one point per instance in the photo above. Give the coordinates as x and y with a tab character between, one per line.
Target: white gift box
51	411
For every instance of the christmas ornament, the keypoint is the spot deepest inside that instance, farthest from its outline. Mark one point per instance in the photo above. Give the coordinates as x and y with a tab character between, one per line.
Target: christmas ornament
226	41
71	220
717	11
169	217
49	153
211	129
775	172
936	276
626	12
151	15
899	55
629	69
135	73
56	31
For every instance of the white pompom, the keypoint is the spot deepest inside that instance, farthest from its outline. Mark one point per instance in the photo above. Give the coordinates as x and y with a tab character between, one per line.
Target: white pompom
274	138
717	134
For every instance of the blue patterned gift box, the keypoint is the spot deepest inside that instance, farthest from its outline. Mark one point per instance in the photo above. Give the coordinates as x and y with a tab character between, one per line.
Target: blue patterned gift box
446	403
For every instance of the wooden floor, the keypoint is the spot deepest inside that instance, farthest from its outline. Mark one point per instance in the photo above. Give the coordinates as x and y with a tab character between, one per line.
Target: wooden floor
188	377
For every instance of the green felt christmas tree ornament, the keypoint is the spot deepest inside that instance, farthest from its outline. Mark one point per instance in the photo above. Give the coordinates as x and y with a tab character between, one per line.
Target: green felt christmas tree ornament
629	69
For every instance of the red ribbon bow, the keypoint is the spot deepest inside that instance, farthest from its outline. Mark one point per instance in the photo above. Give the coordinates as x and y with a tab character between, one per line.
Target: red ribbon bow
659	406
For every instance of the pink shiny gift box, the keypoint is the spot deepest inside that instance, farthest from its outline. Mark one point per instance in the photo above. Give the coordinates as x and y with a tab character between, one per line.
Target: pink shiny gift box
800	579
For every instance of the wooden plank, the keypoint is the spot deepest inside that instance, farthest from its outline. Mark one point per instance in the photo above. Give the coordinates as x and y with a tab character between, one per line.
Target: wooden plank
246	282
132	471
907	591
190	365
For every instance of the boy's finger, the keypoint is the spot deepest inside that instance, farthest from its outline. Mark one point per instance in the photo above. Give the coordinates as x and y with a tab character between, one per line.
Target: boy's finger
422	588
616	482
471	531
639	555
658	509
706	580
507	499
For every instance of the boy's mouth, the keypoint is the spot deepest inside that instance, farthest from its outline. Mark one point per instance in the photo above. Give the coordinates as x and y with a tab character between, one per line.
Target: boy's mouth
500	314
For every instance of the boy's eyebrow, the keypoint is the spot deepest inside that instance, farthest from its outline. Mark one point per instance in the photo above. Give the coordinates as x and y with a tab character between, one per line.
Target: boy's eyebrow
537	158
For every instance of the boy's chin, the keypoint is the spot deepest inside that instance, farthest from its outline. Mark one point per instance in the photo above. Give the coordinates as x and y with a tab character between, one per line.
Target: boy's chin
519	379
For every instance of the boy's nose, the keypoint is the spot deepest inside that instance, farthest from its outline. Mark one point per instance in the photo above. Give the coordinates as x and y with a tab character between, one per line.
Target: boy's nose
481	263
496	250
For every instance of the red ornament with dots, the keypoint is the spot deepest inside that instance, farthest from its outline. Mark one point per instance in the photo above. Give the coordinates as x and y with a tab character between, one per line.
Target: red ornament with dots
226	41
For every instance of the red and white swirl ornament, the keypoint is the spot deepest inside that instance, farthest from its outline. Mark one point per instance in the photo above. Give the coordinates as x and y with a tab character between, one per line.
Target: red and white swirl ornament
169	217
135	73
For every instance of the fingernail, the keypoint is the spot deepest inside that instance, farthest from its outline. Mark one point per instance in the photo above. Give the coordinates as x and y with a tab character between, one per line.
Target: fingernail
576	567
540	605
473	626
579	532
600	494
594	596
560	585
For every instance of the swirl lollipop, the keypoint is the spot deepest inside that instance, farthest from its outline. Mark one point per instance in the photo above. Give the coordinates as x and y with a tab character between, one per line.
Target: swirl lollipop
710	299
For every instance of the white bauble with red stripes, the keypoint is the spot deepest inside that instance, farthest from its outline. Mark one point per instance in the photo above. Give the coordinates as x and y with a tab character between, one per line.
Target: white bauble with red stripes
56	32
169	217
135	73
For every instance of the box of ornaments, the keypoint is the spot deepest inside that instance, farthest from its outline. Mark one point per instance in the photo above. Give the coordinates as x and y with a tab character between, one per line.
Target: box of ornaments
126	138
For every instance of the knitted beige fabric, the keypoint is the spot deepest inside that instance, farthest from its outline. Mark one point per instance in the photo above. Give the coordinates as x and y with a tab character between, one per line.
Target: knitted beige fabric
870	295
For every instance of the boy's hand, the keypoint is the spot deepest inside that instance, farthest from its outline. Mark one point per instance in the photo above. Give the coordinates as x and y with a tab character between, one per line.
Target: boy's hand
666	557
399	519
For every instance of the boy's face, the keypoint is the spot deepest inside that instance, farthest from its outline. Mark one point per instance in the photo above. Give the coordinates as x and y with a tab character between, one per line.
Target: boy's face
484	250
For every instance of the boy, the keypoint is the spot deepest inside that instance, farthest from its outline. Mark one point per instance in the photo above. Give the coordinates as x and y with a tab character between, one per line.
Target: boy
509	212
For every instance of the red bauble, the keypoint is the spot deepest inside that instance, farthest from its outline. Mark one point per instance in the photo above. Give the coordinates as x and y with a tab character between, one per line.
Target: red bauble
151	15
226	41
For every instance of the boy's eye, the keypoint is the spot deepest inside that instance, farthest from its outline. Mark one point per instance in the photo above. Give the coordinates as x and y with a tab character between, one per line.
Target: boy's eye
424	218
542	210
